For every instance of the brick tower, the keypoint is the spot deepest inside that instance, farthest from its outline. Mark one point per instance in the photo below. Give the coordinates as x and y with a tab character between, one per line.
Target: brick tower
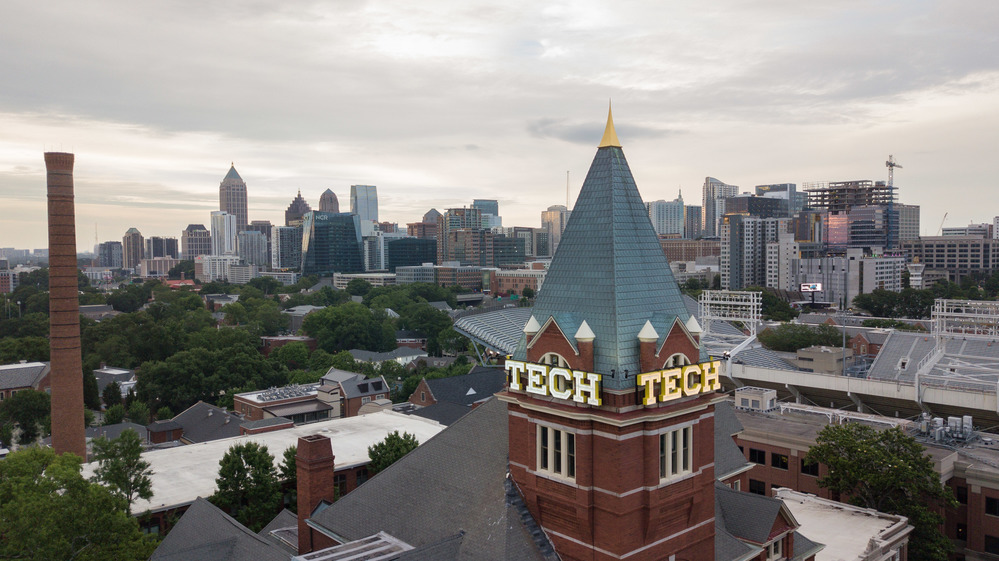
64	310
314	464
611	405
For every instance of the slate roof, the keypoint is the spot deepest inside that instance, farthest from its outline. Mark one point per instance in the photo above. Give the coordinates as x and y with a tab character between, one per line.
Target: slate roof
111	432
729	460
479	384
444	412
22	375
282	531
465	466
205	533
441	305
110	374
353	384
203	422
747	516
263	423
610	271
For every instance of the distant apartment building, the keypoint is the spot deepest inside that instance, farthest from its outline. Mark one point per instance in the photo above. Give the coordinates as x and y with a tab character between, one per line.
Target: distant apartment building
156	246
692	222
195	240
208	268
984	230
242	273
223	233
132	248
689	250
110	255
447	274
796	200
667	216
251	246
264	227
286	247
908	222
958	255
843	278
157	266
713	208
514	282
8	282
744	241
490	212
408	252
758	206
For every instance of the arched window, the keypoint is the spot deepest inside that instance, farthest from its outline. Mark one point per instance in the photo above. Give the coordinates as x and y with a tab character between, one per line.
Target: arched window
676	360
555	359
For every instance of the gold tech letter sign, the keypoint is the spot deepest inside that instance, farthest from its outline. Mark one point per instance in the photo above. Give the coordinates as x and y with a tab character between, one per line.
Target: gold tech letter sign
687	380
560	383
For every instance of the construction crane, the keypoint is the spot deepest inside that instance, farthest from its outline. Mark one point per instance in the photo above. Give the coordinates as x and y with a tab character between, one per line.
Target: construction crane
891	165
940	229
891	199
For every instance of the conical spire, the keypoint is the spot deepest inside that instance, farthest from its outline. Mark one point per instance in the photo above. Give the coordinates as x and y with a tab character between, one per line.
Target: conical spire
610	271
232	173
610	135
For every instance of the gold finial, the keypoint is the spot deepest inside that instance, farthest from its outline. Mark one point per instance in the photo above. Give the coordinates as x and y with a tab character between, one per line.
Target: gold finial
610	136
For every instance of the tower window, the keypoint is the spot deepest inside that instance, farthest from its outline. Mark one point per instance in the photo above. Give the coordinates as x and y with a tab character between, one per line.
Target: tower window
556	452
554	359
675	452
676	360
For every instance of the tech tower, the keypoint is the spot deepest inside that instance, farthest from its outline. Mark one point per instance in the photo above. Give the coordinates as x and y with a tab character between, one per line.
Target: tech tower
64	309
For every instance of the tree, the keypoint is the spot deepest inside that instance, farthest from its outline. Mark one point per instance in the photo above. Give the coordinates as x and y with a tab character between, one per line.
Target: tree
115	414
112	394
185	268
29	410
528	292
394	446
138	413
248	485
358	287
120	467
91	396
49	511
164	413
887	471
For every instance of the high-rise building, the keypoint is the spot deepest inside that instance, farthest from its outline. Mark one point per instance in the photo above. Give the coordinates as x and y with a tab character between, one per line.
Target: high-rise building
328	202
713	208
427	229
744	242
286	247
232	198
223	233
251	246
554	221
872	226
331	243
64	310
195	240
296	211
132	248
453	220
796	200
364	202
908	222
209	268
754	205
490	212
667	216
109	254
156	246
692	222
264	227
408	252
845	277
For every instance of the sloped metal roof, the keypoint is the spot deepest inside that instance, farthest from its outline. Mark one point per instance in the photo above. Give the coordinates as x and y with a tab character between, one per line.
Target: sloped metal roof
610	271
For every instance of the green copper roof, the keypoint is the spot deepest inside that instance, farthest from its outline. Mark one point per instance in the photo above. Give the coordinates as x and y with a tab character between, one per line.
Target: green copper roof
232	174
610	271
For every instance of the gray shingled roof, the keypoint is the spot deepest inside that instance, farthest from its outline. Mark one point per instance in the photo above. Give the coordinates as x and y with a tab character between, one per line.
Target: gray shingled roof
263	423
282	531
25	375
111	432
465	466
479	384
205	533
746	516
356	385
203	422
610	271
728	458
445	412
731	548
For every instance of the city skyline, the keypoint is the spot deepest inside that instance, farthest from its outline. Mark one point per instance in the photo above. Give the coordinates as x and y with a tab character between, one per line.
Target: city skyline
439	107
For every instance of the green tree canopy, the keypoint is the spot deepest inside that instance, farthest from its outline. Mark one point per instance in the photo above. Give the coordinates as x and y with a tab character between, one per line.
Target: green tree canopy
887	471
394	446
115	414
49	511
358	287
120	467
111	394
790	337
248	485
350	326
184	268
29	410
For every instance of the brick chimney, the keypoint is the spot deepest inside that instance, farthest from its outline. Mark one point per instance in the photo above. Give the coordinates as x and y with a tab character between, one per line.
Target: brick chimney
64	310
314	467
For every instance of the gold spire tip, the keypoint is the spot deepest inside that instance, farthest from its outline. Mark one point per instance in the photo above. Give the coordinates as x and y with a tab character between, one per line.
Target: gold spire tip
610	135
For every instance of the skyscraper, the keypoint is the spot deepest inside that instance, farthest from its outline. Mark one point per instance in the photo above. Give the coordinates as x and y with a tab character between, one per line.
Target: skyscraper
449	223
286	247
554	220
156	246
251	247
331	243
195	240
223	233
490	212
364	202
295	213
667	216
715	193
328	202
132	248
109	254
232	198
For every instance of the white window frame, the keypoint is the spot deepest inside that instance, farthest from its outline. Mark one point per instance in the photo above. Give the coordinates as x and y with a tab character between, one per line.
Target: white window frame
676	360
556	452
366	399
775	549
676	453
554	360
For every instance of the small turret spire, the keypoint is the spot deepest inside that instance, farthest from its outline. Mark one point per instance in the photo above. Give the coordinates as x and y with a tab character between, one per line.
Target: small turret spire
610	135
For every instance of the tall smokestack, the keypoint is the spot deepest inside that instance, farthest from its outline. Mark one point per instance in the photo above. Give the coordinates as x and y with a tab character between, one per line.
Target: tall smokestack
64	310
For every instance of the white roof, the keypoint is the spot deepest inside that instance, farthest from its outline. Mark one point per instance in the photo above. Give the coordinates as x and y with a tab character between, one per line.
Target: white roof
184	473
848	531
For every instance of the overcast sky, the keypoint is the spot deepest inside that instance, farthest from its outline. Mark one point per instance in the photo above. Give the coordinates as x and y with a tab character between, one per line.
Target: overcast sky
438	103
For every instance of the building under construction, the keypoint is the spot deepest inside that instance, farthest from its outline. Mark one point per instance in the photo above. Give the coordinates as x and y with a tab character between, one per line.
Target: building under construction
841	196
